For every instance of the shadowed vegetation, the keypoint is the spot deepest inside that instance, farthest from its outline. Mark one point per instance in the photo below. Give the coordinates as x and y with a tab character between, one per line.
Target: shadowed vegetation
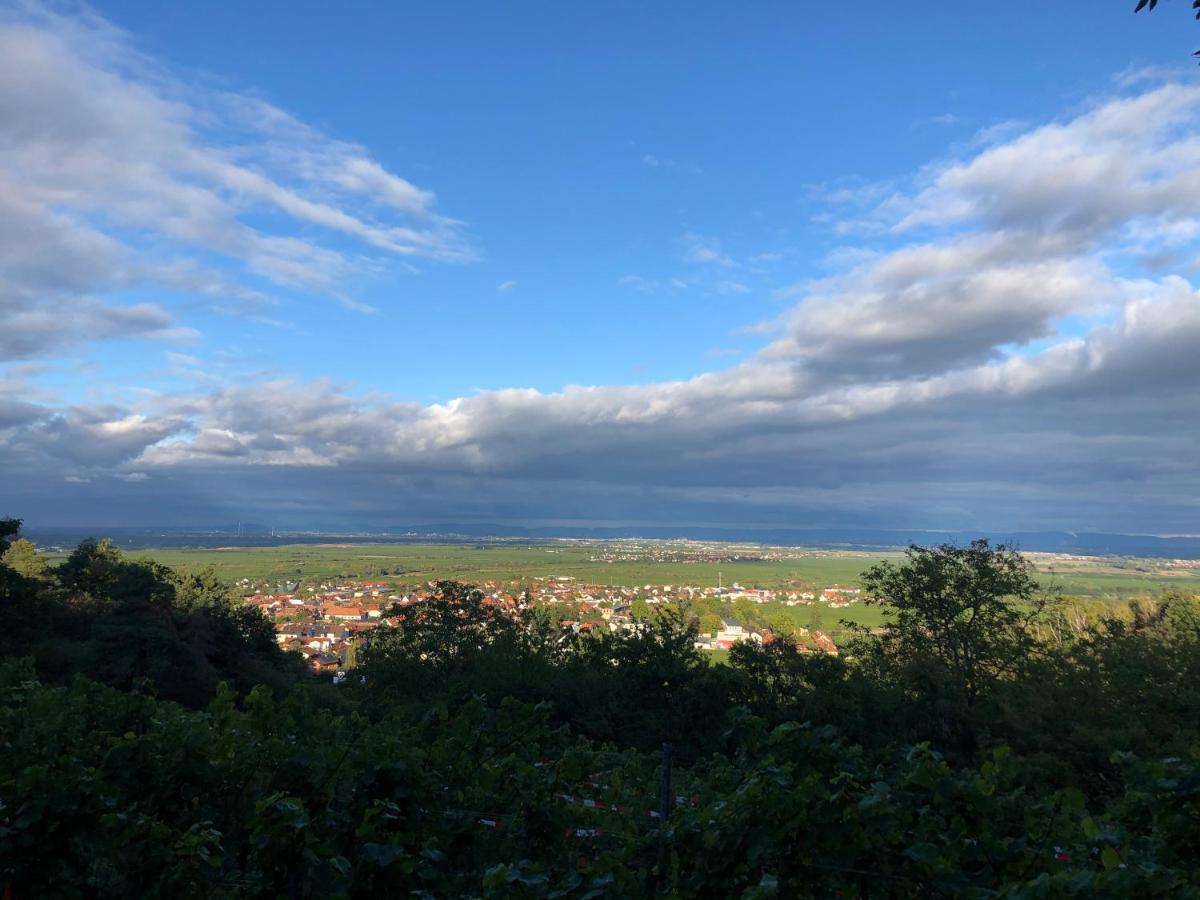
987	741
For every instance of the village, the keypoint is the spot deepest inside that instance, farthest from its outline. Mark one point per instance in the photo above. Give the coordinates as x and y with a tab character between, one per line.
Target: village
324	621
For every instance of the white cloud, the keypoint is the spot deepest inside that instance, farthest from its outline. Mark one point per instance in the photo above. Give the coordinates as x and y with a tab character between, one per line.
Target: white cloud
505	287
652	285
652	161
729	286
1071	182
183	359
706	251
946	118
931	307
766	258
115	173
1003	361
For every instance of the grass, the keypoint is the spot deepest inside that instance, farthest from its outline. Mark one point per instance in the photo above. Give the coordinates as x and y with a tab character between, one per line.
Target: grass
1109	579
416	563
1115	578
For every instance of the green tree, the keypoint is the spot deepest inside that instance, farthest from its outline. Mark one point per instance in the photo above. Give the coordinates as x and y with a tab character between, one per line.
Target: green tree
960	616
200	590
1152	4
9	579
18	589
92	570
22	557
9	529
1180	621
439	635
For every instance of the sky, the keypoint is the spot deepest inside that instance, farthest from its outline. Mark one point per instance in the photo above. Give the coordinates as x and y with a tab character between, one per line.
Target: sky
794	265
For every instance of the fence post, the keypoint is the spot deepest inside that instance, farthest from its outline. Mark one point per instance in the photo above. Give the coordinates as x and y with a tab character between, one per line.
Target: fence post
664	785
295	879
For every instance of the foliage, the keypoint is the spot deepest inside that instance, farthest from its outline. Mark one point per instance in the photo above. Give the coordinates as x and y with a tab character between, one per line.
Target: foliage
1151	4
961	617
22	557
153	742
135	624
123	794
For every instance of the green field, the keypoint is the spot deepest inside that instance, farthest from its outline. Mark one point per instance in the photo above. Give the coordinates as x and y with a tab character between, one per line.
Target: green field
415	563
1115	578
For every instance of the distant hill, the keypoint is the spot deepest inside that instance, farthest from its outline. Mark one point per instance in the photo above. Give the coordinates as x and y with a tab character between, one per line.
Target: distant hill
1078	543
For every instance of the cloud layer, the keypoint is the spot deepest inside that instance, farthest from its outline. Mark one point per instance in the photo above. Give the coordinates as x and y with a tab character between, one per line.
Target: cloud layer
1014	347
115	175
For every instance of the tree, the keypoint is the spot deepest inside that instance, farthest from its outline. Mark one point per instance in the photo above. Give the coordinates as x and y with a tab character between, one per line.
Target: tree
22	557
92	570
441	634
1151	4
9	529
1180	619
9	579
961	616
20	584
201	590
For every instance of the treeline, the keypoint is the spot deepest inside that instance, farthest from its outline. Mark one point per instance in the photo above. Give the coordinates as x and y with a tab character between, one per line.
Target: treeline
132	624
991	742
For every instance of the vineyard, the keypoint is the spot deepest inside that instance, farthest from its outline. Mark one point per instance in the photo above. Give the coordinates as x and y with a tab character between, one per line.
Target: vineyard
155	743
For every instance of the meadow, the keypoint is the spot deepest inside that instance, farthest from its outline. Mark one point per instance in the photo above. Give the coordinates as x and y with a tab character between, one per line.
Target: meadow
416	563
1094	577
410	564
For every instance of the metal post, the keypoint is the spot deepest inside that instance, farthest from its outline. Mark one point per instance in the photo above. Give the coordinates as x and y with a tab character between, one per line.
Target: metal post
664	786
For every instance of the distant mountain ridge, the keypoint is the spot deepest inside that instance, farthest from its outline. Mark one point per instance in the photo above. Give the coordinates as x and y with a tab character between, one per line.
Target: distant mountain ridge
1076	543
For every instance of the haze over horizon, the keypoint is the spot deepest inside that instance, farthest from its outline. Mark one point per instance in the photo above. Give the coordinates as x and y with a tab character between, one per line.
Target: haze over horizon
772	268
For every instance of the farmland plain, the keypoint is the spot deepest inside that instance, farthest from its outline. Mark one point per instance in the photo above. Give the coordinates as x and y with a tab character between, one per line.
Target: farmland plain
633	563
618	563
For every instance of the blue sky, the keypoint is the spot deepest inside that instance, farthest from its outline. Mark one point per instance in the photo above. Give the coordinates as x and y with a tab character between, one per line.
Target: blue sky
385	218
539	125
